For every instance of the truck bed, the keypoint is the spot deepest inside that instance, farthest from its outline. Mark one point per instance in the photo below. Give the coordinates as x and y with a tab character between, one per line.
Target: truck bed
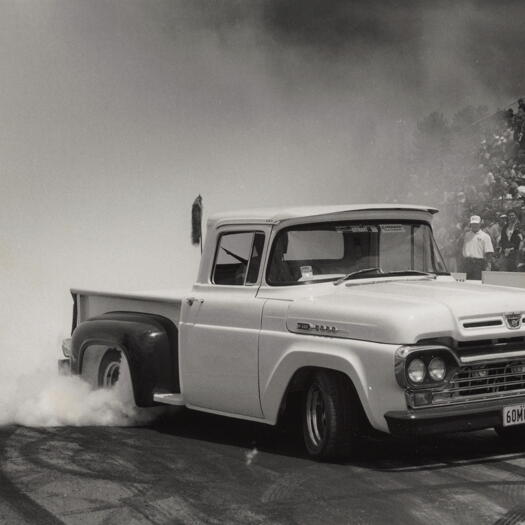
90	303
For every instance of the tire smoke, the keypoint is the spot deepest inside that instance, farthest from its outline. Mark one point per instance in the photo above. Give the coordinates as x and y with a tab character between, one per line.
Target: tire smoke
37	396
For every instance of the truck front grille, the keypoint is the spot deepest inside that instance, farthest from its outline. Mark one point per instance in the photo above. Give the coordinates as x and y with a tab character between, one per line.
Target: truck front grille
480	382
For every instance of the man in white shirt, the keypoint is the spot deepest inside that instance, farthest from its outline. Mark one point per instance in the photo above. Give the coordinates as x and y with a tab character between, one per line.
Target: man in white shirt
477	249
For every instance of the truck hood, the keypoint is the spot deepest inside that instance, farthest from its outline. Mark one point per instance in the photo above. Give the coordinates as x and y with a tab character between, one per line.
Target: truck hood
406	311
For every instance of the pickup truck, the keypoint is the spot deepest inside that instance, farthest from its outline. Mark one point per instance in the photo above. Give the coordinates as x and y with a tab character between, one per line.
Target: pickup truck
345	315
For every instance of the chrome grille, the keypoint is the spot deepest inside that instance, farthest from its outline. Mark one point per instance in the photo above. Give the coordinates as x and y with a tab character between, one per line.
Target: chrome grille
480	382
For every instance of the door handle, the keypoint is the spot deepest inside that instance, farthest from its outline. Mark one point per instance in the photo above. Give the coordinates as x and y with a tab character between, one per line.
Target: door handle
191	300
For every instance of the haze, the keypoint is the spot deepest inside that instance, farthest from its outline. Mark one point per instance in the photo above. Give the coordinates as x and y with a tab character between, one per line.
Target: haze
115	115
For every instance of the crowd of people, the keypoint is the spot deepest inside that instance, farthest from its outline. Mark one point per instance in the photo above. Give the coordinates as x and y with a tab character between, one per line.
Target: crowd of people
489	211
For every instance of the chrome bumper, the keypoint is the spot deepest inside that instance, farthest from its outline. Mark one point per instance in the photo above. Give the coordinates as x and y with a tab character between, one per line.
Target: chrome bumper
458	418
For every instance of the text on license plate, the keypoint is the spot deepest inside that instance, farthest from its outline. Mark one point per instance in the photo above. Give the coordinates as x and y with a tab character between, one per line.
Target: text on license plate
513	415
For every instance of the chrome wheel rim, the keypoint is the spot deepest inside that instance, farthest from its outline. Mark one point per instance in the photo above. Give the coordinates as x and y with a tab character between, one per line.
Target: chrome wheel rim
315	416
111	375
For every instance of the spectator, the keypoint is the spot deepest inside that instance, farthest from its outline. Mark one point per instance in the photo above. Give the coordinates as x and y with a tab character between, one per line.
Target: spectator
477	249
509	244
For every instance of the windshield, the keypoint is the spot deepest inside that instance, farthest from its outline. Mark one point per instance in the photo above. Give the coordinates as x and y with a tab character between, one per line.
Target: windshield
329	251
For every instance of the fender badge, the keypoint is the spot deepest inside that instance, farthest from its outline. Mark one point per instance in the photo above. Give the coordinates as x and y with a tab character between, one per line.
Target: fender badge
321	328
513	320
304	326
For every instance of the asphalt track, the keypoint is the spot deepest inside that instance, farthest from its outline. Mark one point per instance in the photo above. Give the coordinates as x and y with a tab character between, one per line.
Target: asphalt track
195	468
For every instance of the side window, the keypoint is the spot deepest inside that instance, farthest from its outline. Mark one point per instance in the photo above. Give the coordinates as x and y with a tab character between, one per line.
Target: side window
238	258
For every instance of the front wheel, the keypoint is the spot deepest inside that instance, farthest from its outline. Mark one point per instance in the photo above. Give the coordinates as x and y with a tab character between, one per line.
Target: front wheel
331	416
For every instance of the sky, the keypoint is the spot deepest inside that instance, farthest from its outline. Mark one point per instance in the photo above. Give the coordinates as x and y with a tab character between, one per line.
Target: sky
117	114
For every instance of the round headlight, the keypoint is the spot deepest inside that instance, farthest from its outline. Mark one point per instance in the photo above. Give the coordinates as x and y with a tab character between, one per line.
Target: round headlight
437	369
416	371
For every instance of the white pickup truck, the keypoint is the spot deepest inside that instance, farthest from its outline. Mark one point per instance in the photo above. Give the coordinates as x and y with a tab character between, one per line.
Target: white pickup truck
348	311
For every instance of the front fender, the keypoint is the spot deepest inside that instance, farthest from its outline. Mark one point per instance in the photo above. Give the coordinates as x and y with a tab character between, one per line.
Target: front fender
370	367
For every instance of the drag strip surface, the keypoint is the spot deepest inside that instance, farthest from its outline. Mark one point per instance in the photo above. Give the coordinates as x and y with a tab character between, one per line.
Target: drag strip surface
195	468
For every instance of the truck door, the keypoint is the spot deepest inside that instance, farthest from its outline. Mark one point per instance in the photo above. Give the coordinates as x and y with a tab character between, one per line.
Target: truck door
221	327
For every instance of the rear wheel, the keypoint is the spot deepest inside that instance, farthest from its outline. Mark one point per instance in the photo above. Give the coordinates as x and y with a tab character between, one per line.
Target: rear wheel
109	369
331	416
113	374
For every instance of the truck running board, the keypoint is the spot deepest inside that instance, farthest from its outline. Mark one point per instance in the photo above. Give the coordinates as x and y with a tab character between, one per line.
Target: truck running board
169	399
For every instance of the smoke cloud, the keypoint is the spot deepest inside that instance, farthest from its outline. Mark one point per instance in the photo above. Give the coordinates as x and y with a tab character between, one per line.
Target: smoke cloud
116	115
35	395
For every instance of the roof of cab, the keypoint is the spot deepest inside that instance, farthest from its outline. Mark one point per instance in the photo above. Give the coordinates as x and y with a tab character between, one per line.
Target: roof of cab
276	215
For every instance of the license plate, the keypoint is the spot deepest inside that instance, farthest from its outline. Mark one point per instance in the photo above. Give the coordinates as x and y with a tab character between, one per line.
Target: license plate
513	415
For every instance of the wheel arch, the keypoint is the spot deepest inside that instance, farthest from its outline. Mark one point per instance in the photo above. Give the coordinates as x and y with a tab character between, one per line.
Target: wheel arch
148	341
294	372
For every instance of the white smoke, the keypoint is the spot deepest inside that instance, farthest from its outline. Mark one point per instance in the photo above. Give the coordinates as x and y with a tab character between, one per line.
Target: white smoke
36	395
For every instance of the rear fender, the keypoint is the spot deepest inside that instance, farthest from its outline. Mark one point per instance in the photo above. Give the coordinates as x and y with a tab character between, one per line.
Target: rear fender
149	342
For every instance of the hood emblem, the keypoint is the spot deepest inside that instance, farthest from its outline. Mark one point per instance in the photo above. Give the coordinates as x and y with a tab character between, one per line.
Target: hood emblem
513	320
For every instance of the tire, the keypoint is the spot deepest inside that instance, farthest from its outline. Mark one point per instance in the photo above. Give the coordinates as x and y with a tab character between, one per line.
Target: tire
109	369
515	435
114	374
331	416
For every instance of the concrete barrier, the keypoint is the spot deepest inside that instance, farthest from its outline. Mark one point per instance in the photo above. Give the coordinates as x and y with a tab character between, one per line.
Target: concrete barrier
516	279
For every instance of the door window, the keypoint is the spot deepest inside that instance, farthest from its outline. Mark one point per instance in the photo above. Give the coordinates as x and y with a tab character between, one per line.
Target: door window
238	258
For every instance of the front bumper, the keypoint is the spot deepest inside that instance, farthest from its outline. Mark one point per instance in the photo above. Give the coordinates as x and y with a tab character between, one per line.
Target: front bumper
440	420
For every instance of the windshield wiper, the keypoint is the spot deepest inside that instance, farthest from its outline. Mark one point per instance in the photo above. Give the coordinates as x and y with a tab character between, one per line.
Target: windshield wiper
351	275
410	272
378	270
